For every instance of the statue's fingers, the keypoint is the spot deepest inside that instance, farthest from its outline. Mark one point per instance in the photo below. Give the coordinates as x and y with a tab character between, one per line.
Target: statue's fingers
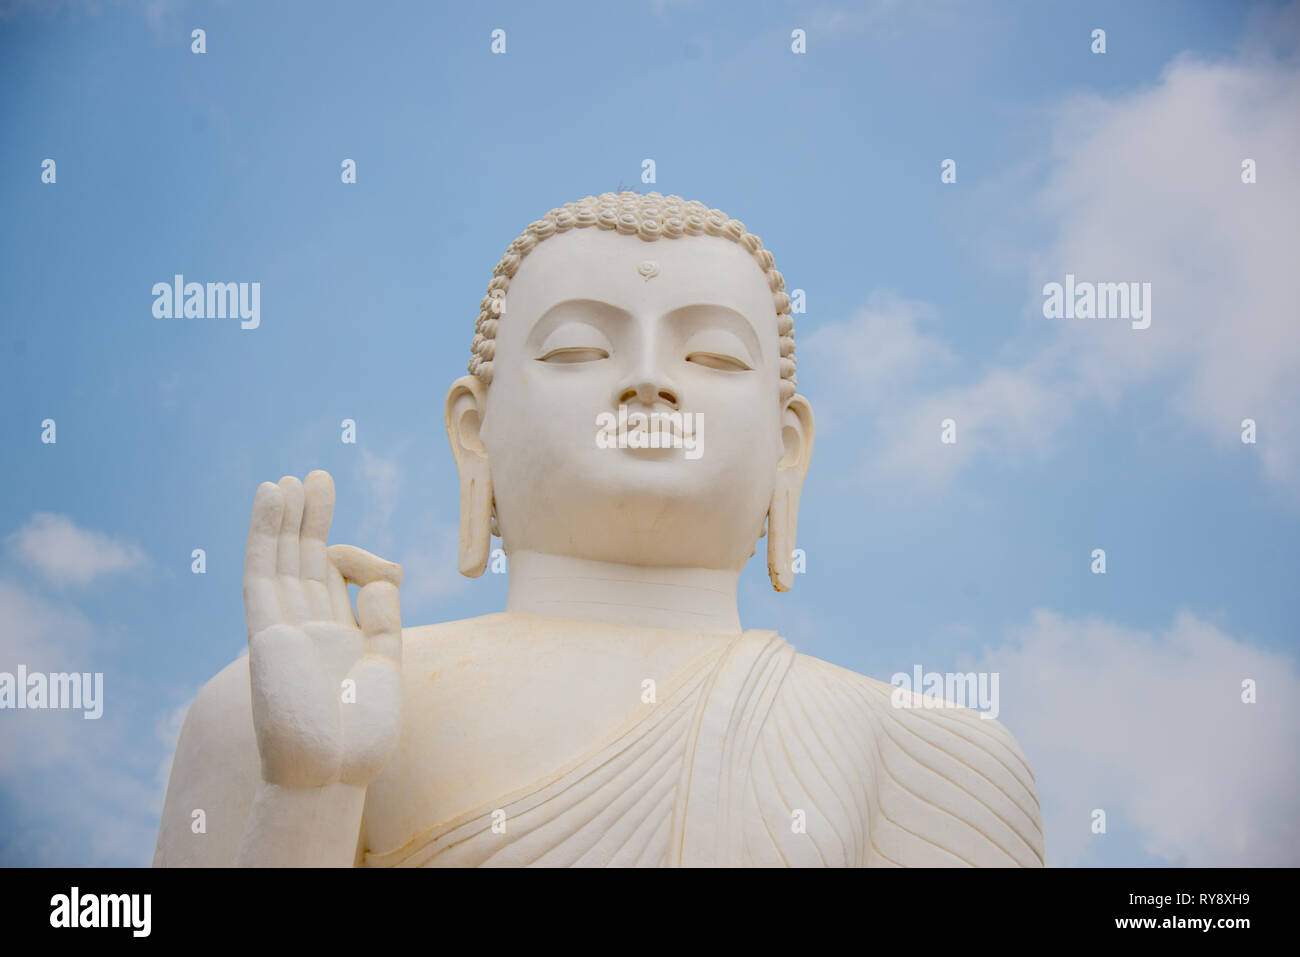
261	598
380	617
359	567
288	563
287	559
318	512
340	603
263	531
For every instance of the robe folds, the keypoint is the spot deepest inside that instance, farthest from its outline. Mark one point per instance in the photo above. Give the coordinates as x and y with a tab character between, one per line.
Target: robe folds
759	756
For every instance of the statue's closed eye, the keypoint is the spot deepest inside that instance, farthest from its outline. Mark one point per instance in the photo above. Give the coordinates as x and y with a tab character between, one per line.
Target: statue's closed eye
717	348
574	354
574	342
716	361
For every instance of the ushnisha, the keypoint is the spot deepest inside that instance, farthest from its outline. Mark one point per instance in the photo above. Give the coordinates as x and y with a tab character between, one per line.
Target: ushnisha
616	713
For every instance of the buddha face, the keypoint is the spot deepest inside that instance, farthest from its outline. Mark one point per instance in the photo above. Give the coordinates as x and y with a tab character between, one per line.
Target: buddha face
594	319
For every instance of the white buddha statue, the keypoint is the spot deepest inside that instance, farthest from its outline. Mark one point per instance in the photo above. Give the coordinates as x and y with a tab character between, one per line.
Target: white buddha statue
615	713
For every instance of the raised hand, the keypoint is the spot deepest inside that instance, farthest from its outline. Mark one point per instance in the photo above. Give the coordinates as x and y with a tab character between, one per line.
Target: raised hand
326	689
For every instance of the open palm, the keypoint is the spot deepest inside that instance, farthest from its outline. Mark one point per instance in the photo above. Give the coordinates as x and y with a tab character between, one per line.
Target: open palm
326	685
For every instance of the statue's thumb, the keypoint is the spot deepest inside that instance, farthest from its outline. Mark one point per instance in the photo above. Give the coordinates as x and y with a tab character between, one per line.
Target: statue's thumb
360	567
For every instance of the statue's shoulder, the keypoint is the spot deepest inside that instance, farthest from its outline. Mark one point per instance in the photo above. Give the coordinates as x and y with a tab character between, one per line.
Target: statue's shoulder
216	768
479	628
227	693
225	696
949	776
224	702
910	709
461	639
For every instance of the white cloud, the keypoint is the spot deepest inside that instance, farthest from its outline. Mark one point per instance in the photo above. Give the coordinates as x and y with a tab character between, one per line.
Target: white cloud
881	367
1148	188
69	555
382	480
1008	413
1144	187
879	348
1151	728
77	792
41	635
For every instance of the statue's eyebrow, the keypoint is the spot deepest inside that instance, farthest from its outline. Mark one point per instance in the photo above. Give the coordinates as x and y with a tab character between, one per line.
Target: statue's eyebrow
593	312
704	315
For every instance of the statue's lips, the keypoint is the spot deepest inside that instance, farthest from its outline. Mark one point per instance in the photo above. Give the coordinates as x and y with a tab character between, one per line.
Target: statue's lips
665	449
668	431
656	430
672	434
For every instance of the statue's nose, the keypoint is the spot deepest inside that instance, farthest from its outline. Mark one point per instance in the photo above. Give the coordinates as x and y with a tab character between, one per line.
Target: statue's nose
648	381
649	390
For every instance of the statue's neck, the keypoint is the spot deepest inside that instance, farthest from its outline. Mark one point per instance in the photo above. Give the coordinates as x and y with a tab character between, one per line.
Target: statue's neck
681	599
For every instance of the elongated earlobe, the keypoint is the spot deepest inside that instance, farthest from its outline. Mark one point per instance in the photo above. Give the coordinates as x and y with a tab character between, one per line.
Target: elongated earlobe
783	512
464	411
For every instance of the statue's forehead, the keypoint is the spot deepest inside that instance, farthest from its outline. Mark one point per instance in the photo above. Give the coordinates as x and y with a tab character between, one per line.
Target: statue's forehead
632	274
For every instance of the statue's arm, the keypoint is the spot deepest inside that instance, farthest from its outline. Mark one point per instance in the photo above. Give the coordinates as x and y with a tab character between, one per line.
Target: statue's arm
884	785
215	774
240	819
283	743
303	827
325	684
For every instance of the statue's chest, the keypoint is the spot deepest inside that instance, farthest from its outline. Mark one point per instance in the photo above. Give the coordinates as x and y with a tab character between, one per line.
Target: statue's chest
478	734
668	782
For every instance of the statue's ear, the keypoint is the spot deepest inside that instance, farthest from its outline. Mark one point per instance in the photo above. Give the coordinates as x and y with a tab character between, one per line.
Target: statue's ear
783	513
464	414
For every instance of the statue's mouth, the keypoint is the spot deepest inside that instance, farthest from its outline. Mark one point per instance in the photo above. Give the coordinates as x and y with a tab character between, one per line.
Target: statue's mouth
651	430
671	433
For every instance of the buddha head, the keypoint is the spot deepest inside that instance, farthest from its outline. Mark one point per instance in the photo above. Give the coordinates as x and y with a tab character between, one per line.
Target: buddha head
656	305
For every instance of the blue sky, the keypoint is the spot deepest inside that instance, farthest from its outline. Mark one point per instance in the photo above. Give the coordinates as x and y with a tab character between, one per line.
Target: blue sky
924	301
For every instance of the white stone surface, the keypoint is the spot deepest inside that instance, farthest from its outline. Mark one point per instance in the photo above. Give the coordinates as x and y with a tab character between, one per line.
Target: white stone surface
531	736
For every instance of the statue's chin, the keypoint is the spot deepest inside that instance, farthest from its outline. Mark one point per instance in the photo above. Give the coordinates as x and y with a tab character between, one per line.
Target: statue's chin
648	482
637	511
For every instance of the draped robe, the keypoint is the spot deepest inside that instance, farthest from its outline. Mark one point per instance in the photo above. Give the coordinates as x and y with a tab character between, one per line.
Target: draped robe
759	756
